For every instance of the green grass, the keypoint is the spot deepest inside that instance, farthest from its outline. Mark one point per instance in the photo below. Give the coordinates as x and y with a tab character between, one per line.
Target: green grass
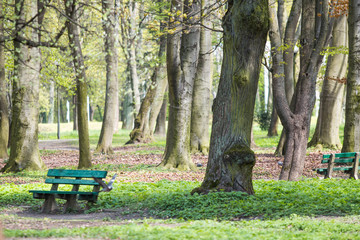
48	132
167	199
279	210
289	228
307	209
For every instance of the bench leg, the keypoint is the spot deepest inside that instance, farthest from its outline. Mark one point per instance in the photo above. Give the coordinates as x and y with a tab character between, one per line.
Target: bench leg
49	204
71	203
330	166
355	169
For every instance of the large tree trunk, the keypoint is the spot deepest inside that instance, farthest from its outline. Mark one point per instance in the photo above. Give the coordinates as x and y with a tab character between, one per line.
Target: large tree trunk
182	56
110	8
297	121
81	84
230	158
199	133
24	148
332	93
4	114
150	106
352	113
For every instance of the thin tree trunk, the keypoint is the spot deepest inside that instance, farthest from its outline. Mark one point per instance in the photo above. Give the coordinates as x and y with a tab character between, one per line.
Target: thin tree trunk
4	114
297	122
182	56
127	108
143	131
75	115
81	84
158	105
51	102
332	93
274	120
290	39
230	158
110	8
132	58
352	113
24	148
199	133
160	128
91	113
273	123
281	16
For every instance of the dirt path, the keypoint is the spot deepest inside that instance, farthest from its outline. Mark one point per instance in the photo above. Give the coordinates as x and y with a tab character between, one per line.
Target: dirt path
58	144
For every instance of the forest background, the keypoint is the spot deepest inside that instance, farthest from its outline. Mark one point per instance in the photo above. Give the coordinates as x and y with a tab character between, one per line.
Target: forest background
180	69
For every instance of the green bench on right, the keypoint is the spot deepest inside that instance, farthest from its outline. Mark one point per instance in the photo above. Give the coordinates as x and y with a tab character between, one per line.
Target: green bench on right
334	159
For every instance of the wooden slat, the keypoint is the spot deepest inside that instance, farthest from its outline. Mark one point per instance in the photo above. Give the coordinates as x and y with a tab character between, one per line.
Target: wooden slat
63	192
70	181
340	160
76	173
89	196
340	155
324	170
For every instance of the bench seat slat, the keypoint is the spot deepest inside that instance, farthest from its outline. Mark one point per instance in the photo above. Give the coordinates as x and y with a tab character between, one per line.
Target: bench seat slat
71	181
63	192
88	196
76	173
324	170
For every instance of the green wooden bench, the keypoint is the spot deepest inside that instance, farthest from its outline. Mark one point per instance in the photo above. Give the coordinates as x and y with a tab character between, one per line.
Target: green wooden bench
75	178
349	159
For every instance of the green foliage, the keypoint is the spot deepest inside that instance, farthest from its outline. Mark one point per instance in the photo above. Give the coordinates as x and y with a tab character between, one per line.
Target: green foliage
264	119
289	228
166	199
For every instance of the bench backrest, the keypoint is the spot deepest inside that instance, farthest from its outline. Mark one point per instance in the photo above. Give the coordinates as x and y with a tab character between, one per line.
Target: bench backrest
73	177
76	173
348	157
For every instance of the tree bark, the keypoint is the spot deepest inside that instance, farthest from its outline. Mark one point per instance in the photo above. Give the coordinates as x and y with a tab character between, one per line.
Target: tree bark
4	111
199	133
352	112
132	58
110	8
24	148
75	113
150	106
230	158
290	39
51	102
297	121
127	107
81	84
160	128
182	56
332	93
272	131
